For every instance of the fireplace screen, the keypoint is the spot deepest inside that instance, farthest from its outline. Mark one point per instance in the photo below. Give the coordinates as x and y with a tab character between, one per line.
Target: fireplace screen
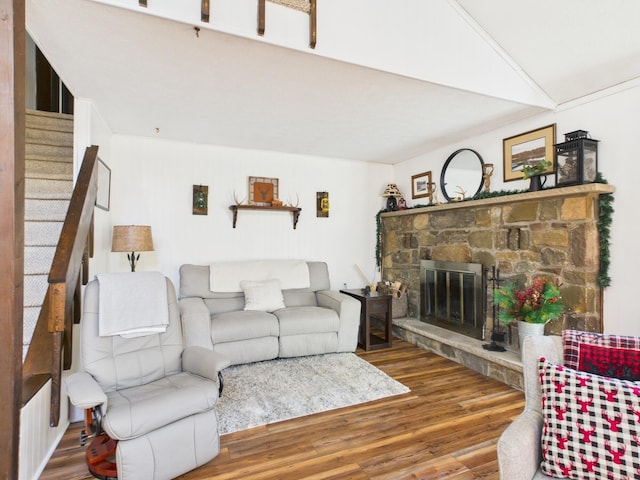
452	296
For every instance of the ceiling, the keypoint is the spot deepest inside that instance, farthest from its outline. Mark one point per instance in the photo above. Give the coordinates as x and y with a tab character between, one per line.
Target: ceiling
149	76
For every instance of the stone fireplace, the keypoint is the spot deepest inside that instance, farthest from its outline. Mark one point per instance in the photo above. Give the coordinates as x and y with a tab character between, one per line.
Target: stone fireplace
551	233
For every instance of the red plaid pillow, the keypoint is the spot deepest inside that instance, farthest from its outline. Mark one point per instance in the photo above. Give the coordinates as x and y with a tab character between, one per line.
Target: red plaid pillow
615	356
591	426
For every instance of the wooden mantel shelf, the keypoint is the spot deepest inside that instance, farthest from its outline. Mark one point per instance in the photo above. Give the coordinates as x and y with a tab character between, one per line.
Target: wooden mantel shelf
594	189
295	211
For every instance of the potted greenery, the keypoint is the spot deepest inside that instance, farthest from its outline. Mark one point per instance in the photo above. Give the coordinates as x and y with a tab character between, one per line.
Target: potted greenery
532	307
534	172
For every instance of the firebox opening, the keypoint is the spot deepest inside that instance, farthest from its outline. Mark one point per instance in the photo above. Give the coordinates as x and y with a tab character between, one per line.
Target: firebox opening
452	296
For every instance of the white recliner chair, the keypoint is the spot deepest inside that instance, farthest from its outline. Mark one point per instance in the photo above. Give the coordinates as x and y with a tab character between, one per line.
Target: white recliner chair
147	397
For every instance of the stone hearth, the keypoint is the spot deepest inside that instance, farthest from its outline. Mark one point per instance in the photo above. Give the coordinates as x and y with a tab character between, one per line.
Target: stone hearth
505	367
551	233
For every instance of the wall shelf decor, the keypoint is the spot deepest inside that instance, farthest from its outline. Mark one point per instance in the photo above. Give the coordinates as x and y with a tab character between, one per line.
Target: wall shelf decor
295	211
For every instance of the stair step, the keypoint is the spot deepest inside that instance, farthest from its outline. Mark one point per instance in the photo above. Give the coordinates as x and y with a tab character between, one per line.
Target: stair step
48	137
37	260
36	167
35	288
43	234
37	150
61	177
41	209
44	157
48	188
60	122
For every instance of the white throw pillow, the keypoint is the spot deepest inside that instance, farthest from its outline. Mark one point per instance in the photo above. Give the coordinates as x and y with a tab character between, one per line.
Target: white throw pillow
264	295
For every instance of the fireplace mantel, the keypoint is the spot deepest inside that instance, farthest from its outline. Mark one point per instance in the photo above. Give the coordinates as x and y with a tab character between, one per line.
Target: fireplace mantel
594	189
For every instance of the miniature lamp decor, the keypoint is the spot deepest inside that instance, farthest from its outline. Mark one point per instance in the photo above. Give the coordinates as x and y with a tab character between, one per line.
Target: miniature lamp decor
576	159
391	192
132	239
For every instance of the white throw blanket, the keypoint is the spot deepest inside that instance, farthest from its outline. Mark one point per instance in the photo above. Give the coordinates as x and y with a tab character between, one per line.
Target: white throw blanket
225	277
132	304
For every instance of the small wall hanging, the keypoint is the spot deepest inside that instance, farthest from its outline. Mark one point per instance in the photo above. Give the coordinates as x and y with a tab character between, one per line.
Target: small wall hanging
322	204
263	191
200	199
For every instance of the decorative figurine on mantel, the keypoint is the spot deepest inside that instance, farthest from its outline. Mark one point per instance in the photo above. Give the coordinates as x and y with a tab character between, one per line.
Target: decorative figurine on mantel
487	171
433	195
391	192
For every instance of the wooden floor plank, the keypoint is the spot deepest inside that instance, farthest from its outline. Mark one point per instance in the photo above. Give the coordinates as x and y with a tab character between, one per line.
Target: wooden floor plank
445	428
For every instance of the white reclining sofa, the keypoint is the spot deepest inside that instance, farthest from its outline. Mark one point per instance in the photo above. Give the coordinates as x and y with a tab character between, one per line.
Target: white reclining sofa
260	310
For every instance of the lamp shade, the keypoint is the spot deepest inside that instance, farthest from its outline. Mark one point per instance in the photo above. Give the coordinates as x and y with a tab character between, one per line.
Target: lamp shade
392	190
132	238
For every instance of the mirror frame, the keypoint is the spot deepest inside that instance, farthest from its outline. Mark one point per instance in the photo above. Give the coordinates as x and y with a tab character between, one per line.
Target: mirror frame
446	165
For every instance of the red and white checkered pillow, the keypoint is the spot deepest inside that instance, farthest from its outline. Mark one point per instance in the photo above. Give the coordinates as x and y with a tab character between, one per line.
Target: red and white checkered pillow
603	354
591	425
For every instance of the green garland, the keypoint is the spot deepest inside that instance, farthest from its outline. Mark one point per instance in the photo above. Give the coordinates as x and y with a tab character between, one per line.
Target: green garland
379	238
605	214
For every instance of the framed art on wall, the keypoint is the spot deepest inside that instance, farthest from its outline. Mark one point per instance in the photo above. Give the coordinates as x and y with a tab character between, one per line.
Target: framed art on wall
420	185
200	200
529	148
262	191
103	198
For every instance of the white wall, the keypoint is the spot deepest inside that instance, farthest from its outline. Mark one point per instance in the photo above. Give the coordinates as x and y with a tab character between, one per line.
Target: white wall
152	182
610	117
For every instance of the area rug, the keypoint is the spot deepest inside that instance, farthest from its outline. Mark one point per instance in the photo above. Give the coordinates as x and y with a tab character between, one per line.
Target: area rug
267	392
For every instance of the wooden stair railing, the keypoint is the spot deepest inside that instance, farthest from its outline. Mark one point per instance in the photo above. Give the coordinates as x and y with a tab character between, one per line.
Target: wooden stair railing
53	333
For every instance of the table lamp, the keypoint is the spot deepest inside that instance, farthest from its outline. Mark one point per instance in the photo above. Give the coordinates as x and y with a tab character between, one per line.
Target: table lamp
132	238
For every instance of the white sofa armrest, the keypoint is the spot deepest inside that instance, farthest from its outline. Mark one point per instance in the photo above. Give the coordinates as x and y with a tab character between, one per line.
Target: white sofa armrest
519	453
84	392
203	362
196	322
348	310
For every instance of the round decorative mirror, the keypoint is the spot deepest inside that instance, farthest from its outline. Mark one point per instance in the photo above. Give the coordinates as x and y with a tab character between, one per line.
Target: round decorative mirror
462	175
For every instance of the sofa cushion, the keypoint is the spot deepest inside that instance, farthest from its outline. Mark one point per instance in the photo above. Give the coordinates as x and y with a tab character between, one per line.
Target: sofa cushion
603	354
228	276
591	428
302	320
242	325
138	410
262	295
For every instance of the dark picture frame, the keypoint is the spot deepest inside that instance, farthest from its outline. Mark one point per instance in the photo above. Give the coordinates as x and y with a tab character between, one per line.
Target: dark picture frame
103	196
529	148
420	185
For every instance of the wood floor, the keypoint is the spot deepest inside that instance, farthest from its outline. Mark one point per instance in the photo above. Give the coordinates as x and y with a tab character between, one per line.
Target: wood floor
445	428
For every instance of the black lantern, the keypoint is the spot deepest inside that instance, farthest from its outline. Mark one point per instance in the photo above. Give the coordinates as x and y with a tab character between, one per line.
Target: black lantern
576	159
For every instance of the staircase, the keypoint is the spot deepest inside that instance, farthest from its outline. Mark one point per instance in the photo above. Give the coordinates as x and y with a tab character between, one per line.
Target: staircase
48	187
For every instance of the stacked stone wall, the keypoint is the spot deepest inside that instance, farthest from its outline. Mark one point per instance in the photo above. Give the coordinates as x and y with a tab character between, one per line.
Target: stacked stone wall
556	238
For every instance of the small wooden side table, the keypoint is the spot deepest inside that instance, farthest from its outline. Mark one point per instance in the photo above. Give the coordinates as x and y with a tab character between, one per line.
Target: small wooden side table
373	306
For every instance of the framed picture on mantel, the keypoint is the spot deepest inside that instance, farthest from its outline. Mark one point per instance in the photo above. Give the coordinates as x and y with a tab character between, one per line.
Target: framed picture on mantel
529	148
420	185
